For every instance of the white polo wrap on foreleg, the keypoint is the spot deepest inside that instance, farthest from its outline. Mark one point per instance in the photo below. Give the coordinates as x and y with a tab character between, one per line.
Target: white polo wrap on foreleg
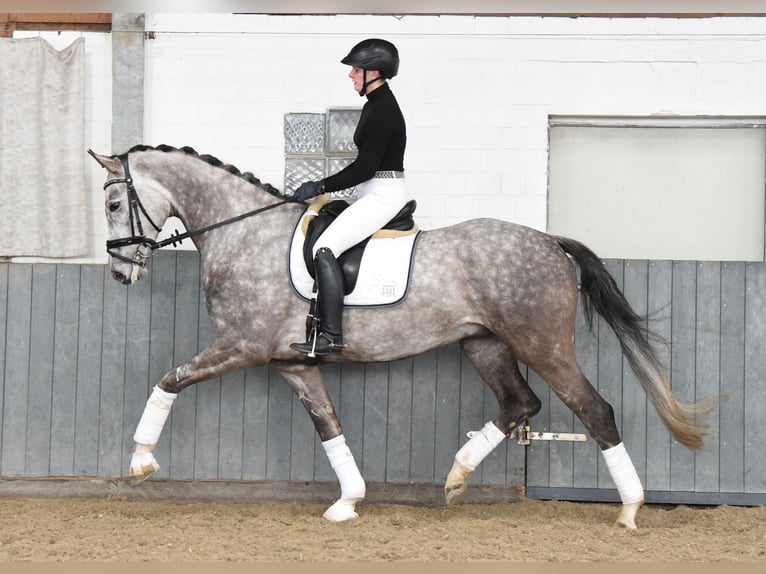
154	417
344	465
479	446
624	474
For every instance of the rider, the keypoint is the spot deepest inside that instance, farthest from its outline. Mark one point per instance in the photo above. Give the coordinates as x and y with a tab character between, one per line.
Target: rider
378	174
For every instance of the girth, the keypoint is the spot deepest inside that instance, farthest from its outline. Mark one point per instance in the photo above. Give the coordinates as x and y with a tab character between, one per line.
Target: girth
351	258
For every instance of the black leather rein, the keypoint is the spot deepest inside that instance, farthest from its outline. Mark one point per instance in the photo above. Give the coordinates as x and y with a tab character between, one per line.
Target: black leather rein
137	208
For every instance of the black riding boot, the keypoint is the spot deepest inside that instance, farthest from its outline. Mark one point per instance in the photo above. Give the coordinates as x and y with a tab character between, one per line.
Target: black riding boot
329	340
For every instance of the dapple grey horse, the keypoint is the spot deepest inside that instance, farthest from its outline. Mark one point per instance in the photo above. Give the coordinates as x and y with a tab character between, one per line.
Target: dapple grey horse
506	292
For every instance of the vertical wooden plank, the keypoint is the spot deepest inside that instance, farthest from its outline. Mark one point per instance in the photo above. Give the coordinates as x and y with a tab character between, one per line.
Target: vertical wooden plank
278	438
471	407
161	346
731	411
447	425
66	337
4	268
351	401
89	369
755	375
423	417
708	366
255	423
586	454
683	371
186	337
207	428
230	451
137	362
373	463
399	421
660	299
110	438
610	369
634	400
16	395
41	370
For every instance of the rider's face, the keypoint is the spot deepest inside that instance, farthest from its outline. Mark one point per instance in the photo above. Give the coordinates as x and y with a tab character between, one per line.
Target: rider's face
357	77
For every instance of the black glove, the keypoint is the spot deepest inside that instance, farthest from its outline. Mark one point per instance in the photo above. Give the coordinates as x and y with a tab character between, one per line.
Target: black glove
307	190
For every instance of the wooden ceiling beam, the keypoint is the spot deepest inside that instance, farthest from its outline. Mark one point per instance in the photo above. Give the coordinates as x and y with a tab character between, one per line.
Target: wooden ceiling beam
88	22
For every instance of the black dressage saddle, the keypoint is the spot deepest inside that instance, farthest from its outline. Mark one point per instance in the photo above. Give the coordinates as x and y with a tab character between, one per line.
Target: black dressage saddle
350	259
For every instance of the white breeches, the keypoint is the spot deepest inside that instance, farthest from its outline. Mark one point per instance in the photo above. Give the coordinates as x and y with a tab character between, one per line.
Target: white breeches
379	201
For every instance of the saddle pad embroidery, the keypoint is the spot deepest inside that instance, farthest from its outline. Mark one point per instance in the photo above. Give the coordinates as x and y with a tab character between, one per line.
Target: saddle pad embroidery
384	272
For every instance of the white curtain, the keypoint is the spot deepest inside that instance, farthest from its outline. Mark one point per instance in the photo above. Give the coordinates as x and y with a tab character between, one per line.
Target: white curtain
43	206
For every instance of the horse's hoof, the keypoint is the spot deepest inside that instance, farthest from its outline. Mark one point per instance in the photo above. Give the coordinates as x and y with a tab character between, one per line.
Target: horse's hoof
142	466
453	492
342	510
627	516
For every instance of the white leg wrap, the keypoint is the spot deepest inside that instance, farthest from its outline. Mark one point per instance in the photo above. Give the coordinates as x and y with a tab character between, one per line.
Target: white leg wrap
154	417
352	487
624	474
342	462
479	446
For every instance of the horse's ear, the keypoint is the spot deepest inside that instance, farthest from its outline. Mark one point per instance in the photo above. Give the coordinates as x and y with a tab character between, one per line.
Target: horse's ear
111	163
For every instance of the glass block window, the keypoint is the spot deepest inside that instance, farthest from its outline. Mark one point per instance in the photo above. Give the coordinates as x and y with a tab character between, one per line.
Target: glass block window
318	145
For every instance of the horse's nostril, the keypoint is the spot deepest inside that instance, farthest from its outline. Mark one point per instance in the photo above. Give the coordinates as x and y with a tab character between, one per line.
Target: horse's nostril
117	276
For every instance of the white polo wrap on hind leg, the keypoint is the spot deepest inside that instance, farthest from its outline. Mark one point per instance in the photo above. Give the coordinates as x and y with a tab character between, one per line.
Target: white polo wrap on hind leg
154	417
624	474
479	446
344	465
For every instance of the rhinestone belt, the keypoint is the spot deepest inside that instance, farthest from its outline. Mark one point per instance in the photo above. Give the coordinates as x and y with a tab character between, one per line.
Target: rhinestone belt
389	175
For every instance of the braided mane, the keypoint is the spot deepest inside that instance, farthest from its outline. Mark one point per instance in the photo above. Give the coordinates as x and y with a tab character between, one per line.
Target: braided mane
214	161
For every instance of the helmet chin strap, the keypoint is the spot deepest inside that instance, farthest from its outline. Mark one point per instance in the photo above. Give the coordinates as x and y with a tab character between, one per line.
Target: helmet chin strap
365	83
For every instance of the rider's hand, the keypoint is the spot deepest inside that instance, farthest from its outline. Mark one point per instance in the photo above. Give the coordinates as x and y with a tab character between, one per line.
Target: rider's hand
307	190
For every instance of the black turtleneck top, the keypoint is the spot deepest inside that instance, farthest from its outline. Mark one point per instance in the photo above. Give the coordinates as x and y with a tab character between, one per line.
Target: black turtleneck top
380	138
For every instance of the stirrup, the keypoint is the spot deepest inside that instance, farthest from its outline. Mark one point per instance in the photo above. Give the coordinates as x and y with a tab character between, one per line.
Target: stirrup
321	345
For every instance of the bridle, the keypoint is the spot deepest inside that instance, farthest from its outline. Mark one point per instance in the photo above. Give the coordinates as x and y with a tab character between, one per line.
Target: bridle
136	208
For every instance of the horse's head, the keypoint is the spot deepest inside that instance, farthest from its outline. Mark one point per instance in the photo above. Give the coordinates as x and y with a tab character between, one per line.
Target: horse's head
136	208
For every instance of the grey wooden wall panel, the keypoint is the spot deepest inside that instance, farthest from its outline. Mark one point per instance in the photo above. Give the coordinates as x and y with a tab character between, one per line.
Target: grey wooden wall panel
399	427
255	424
731	423
4	295
40	371
755	377
64	383
16	391
112	377
89	370
708	369
81	354
424	422
683	364
660	299
374	438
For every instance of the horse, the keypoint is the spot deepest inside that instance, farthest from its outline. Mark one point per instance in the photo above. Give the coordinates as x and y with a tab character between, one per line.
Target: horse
506	292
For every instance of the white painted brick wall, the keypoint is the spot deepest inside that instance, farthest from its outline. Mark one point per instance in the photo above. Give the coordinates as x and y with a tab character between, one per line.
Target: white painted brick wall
477	93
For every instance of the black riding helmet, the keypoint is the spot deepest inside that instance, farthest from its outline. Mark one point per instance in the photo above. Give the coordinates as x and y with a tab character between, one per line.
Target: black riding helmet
374	54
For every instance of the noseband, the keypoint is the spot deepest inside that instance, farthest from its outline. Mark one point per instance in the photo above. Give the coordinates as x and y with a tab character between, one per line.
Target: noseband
137	208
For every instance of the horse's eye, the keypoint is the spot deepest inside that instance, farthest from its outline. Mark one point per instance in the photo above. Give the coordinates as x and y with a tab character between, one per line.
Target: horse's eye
114	206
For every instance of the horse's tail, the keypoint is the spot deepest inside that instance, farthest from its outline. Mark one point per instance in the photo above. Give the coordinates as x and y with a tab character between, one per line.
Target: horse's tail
600	293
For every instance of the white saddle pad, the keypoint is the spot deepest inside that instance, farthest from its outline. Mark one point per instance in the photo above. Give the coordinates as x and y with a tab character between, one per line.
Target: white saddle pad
384	271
